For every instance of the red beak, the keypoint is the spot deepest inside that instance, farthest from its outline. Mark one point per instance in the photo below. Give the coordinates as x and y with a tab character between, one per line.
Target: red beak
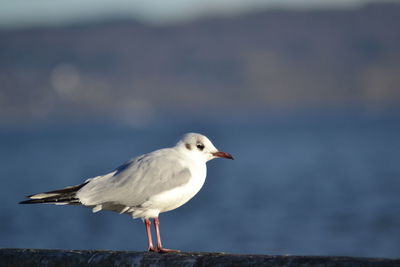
221	154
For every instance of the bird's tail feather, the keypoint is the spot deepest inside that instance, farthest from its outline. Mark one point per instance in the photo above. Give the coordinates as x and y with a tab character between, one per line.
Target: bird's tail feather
62	196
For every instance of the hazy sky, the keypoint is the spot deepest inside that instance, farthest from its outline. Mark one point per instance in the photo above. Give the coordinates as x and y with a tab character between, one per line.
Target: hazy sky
16	13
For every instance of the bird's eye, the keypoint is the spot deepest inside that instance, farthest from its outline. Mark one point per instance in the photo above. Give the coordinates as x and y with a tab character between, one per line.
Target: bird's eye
200	146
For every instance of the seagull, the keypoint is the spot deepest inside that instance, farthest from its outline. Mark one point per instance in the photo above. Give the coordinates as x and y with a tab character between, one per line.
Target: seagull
144	186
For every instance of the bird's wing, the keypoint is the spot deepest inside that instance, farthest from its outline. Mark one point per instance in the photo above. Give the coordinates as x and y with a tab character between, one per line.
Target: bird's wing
137	180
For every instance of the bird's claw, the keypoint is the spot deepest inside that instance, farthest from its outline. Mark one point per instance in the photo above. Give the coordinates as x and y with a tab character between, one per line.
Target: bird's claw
163	250
167	250
152	249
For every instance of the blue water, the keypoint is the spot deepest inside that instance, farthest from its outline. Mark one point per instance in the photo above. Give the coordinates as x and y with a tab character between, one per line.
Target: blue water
301	184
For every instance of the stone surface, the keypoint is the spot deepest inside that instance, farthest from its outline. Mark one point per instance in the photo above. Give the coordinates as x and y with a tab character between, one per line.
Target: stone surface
61	258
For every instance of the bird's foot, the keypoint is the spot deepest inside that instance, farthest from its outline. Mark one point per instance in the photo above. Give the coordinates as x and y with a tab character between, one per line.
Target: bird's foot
162	250
152	249
167	250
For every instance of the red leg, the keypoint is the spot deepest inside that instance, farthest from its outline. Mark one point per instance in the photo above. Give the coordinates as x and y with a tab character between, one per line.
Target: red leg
148	232
159	245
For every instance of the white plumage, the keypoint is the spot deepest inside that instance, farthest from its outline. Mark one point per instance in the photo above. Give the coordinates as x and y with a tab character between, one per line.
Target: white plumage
144	186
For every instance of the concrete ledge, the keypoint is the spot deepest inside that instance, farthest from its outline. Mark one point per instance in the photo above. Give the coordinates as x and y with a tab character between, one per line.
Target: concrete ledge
60	258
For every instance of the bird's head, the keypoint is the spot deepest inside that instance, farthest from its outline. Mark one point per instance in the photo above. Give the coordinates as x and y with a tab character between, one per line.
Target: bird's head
199	146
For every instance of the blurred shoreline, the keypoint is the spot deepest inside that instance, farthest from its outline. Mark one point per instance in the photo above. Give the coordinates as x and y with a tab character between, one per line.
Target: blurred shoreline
273	60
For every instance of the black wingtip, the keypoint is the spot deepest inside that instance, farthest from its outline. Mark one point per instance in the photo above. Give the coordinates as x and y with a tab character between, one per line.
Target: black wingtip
24	202
31	201
60	196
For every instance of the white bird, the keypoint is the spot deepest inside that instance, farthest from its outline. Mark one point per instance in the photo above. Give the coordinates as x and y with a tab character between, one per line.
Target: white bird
144	186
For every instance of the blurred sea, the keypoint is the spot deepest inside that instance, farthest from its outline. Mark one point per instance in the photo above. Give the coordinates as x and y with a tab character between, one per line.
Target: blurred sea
303	184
